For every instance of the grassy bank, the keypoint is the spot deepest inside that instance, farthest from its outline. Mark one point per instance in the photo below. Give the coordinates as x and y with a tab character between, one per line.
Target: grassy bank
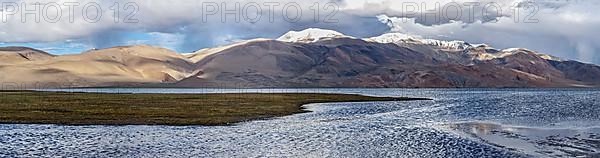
157	109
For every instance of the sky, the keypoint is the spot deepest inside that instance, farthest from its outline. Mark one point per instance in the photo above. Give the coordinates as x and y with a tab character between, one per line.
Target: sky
565	28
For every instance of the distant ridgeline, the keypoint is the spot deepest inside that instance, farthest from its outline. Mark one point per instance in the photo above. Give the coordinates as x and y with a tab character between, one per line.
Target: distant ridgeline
308	58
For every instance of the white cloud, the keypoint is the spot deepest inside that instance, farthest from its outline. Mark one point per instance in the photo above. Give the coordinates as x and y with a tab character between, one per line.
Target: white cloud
568	31
565	28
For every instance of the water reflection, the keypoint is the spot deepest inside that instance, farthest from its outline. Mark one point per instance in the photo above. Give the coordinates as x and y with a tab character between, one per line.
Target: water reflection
457	123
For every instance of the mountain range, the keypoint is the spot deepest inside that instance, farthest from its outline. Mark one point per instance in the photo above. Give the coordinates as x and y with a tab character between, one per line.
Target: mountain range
308	58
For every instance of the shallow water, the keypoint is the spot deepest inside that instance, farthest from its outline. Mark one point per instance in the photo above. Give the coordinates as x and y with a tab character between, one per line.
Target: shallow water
457	123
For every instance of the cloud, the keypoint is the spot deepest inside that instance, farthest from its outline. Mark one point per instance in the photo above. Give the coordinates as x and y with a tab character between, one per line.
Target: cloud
564	28
437	11
186	18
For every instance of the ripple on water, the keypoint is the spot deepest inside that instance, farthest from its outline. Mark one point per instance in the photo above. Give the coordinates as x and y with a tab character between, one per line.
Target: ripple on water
555	142
380	129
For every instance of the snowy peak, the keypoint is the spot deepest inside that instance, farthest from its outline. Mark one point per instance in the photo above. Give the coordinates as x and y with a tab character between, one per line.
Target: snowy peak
477	51
310	35
449	45
549	57
513	51
390	38
398	38
523	50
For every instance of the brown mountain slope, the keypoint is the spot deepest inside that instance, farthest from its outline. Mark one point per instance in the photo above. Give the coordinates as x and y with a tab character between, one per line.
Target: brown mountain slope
107	67
15	55
313	58
577	71
346	62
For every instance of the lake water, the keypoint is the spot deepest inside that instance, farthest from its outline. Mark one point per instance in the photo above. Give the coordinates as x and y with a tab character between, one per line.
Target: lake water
457	123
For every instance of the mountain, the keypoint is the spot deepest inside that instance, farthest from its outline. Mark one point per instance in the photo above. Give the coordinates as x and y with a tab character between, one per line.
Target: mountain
308	58
322	58
106	67
310	35
577	71
14	55
399	38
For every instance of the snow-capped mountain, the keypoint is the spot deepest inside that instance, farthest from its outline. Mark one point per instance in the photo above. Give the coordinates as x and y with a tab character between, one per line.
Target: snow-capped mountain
310	35
325	58
512	51
498	54
308	58
398	38
481	52
391	38
450	45
478	51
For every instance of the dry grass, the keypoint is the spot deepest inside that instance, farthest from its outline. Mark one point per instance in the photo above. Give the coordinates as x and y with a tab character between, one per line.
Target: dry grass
157	109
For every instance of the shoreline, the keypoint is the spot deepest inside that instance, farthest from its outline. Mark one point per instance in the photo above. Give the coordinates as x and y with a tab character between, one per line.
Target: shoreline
79	109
